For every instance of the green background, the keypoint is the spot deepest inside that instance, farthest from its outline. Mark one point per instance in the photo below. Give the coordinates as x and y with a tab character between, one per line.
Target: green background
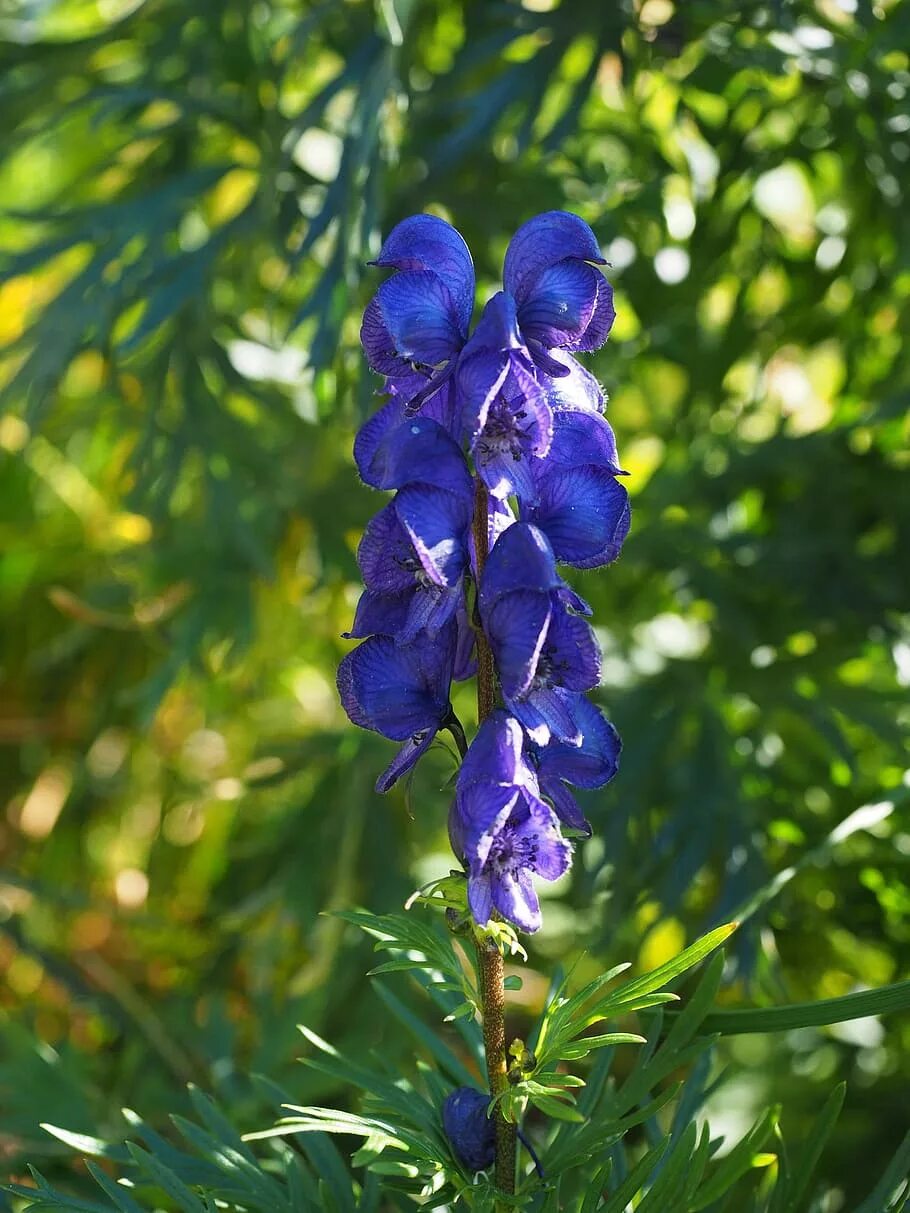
188	194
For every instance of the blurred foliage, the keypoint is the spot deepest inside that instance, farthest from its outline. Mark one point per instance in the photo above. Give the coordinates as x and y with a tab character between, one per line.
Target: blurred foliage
187	199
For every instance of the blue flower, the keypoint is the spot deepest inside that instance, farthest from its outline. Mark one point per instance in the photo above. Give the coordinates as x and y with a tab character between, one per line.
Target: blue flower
469	1129
592	764
562	302
577	501
400	691
504	411
545	653
417	322
501	829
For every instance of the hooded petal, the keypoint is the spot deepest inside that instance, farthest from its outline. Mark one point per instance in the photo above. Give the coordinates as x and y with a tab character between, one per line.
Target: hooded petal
516	627
386	554
598	329
497	328
584	513
542	242
419	451
560	303
479	379
496	754
425	242
521	559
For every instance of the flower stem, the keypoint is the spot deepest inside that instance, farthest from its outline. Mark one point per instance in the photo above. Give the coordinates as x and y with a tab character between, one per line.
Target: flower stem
489	957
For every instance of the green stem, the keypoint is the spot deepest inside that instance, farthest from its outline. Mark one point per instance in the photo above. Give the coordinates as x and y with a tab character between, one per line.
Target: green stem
489	957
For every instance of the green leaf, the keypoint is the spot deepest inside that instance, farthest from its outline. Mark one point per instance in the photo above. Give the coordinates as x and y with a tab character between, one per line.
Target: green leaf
881	1001
557	1109
793	1191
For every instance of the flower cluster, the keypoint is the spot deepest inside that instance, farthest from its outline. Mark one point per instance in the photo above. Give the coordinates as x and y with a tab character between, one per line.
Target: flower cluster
490	439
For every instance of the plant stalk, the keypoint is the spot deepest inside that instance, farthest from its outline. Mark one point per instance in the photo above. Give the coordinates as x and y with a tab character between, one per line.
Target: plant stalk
492	977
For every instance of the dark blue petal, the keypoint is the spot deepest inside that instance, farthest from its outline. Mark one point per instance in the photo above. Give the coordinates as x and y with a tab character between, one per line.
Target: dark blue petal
567	808
584	513
378	343
521	559
420	450
480	896
379	615
477	814
469	1129
516	627
546	714
495	755
391	416
582	438
418	313
552	855
601	321
465	665
590	765
541	242
497	328
405	759
397	691
479	378
386	555
560	303
425	242
436	523
572	652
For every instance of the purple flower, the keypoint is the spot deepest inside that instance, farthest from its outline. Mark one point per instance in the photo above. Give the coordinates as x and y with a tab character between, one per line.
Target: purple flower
392	452
589	765
501	829
400	691
504	411
469	1129
578	502
563	302
417	322
545	653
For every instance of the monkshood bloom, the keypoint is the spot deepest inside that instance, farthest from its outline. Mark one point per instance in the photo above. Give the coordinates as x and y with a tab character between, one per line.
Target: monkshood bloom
414	552
417	322
400	691
469	1129
592	764
576	499
545	653
504	411
501	829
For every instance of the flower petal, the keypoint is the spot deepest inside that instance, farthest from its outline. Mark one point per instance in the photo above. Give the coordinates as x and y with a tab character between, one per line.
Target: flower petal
378	615
436	523
425	242
590	765
553	853
420	450
480	897
470	1131
541	242
418	313
560	303
546	714
393	414
516	627
482	810
516	899
573	652
567	807
521	559
405	759
395	690
584	513
384	553
495	754
574	388
581	438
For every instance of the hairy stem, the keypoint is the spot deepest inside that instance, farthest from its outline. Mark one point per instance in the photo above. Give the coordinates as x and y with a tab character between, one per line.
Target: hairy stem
493	995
